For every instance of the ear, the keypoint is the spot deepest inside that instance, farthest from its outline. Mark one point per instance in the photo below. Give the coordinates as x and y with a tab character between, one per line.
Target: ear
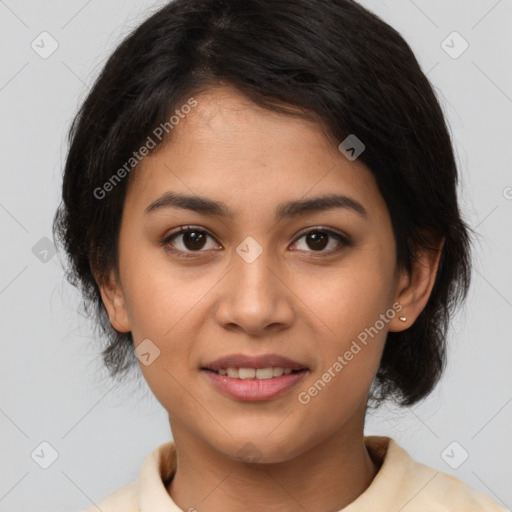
114	301
414	287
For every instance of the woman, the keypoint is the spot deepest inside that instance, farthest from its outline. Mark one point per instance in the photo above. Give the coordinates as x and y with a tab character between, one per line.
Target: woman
260	202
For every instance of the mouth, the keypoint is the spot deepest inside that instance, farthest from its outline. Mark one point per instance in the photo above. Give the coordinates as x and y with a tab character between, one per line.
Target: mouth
252	378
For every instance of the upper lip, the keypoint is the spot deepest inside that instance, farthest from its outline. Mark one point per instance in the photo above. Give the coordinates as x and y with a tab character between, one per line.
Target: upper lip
247	361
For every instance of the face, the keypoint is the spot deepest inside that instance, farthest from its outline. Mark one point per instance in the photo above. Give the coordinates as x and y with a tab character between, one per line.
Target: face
252	277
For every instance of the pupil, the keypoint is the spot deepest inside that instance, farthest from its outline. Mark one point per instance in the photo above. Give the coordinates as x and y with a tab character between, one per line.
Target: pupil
316	239
193	240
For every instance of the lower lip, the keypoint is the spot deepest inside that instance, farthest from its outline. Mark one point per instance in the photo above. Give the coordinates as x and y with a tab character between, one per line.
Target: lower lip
253	390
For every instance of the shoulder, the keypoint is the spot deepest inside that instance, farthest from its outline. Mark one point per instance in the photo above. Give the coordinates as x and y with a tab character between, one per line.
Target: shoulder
449	493
124	499
409	484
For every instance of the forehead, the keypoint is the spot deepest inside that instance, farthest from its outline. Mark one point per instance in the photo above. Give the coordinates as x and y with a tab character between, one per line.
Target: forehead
230	149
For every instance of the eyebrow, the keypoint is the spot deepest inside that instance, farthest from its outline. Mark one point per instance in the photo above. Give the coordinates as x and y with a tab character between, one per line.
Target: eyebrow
288	209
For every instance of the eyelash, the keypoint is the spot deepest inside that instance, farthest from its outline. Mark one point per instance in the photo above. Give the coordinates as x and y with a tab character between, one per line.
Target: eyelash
343	239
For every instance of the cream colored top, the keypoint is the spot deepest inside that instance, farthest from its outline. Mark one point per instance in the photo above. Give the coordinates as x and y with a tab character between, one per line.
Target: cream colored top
401	484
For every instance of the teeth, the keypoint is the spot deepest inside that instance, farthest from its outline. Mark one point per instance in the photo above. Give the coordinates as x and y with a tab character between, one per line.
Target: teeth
278	371
232	372
252	373
264	373
246	373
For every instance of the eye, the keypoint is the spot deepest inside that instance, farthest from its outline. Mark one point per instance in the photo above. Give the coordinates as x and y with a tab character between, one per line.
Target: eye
317	239
192	239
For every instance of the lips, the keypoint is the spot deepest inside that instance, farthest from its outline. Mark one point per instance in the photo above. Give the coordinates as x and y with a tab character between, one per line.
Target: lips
254	390
254	378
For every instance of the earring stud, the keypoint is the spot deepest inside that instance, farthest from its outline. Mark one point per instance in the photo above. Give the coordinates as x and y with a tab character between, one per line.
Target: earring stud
403	318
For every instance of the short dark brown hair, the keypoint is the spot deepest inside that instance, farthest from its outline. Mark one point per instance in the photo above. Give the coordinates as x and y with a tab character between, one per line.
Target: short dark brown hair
332	59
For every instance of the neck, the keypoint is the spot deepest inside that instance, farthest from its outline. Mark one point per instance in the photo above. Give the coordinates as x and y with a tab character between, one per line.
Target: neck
327	476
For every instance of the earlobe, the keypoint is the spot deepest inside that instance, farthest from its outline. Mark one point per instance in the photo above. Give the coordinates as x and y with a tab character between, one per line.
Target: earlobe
414	287
114	301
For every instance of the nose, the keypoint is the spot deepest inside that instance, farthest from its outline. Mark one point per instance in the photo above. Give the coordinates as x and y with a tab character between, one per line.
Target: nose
255	298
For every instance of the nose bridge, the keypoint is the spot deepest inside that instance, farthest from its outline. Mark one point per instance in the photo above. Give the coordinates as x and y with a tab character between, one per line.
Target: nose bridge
254	297
252	273
252	268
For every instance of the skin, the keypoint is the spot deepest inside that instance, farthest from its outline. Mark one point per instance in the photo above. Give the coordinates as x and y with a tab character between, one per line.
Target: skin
294	300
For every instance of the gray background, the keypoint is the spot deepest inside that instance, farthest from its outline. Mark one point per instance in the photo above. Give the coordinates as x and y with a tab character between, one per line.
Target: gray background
52	386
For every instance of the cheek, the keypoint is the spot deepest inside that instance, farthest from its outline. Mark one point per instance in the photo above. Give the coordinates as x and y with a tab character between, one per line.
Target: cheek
351	297
349	305
158	294
165	304
351	350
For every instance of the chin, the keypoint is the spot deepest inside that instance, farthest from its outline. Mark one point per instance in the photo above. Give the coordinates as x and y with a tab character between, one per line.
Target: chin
259	447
